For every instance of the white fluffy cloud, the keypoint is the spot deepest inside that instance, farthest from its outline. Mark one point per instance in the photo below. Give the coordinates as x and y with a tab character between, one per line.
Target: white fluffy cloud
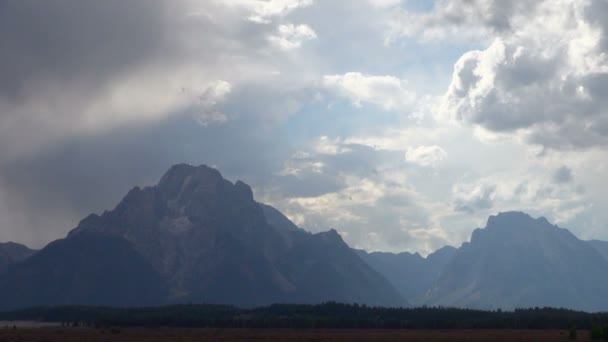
543	79
384	3
388	92
262	11
462	19
290	36
425	155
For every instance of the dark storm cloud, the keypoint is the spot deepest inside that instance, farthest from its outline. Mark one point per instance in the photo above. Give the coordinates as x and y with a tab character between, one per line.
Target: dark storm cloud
91	174
99	96
66	40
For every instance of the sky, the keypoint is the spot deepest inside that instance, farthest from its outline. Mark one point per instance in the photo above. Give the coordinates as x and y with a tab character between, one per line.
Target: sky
402	124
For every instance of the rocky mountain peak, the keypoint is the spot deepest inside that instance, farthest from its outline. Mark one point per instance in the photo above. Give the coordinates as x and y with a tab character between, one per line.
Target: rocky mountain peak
508	219
211	241
516	219
184	178
243	190
514	225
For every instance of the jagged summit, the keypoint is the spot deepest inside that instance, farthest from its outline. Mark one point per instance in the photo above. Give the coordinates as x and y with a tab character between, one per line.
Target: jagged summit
212	242
515	219
520	261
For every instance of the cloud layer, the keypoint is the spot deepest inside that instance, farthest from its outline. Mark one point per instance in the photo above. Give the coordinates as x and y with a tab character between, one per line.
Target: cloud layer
403	124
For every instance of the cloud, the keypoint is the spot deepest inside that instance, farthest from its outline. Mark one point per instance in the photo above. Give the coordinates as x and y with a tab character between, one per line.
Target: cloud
358	190
132	87
523	188
563	175
384	3
461	19
309	110
388	92
262	11
425	155
471	198
89	68
542	80
290	36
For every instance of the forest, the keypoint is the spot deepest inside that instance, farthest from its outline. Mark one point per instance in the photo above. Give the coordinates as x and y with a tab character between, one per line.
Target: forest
330	315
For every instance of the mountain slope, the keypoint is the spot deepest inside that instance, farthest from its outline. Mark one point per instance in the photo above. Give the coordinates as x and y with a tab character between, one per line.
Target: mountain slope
320	262
213	243
410	273
277	220
90	269
518	261
11	253
600	246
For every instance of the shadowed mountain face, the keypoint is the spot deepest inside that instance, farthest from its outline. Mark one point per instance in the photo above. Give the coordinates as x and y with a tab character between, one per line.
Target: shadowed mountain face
196	237
211	242
518	261
410	273
11	253
90	268
600	246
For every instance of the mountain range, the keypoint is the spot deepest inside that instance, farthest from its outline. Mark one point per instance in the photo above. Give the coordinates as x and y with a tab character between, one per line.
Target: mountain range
516	261
196	237
193	238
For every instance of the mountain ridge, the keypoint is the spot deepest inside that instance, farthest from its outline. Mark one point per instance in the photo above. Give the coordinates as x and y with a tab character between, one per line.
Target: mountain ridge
210	241
518	261
197	237
12	252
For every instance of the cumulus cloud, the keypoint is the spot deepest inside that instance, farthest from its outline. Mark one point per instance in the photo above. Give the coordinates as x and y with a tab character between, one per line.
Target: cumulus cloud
542	79
525	188
365	194
384	3
262	11
462	19
290	36
384	205
388	92
425	155
471	198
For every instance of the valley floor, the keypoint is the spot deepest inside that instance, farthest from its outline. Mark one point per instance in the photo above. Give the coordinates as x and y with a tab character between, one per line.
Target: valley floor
214	334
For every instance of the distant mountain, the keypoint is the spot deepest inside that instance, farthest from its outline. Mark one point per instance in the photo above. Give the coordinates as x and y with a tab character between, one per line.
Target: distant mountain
198	238
410	273
518	261
90	268
11	253
202	239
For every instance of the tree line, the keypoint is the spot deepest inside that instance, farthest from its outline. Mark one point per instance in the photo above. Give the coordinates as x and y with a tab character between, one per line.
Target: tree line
326	315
